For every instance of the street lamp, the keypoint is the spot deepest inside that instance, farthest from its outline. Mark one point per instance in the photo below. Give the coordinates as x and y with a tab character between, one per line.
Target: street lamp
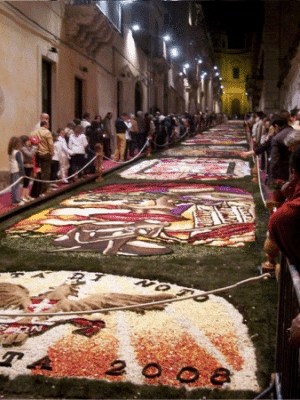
174	52
135	27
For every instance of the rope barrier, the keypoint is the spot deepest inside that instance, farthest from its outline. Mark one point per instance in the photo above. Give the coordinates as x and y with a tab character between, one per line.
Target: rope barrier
130	307
167	143
147	143
259	181
46	181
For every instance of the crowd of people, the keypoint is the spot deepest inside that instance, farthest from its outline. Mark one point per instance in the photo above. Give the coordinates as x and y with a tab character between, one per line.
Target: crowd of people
276	142
45	157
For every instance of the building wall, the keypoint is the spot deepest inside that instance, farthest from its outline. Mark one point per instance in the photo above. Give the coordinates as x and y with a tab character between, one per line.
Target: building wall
281	38
28	31
290	91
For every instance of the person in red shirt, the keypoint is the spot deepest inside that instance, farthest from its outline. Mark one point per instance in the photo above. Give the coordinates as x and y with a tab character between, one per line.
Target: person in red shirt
284	223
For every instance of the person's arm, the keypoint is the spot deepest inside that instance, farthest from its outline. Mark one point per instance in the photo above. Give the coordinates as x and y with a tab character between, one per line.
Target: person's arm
246	154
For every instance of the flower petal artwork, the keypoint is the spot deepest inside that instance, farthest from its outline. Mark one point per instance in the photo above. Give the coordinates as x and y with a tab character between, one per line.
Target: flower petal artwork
220	139
187	168
204	151
142	219
201	342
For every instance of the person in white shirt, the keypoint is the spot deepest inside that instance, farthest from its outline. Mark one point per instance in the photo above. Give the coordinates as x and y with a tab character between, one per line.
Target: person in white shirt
85	122
78	144
65	156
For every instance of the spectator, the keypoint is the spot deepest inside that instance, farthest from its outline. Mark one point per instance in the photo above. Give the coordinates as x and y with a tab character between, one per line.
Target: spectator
279	157
295	119
108	135
55	164
28	153
16	169
128	136
285	221
43	117
85	122
94	135
134	129
121	129
44	153
257	128
65	155
104	136
292	141
69	129
77	144
64	162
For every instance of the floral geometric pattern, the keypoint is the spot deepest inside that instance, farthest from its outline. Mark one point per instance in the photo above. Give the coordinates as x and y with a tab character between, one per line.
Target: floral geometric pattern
218	137
204	151
198	343
187	168
139	219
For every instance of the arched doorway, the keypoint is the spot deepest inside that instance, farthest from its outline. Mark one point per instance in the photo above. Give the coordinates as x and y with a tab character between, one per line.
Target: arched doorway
138	97
235	108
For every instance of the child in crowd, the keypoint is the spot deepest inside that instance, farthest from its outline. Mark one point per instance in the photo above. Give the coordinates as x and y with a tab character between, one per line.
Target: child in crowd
65	155
28	153
16	168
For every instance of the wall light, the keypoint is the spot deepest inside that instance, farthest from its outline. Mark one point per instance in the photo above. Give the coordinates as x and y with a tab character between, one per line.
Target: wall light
135	27
167	38
174	52
186	66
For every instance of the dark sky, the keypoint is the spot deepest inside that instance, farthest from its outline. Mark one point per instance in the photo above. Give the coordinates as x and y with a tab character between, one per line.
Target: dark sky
228	15
233	16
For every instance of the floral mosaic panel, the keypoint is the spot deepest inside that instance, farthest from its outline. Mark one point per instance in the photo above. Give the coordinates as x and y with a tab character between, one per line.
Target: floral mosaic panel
187	168
199	342
204	151
142	219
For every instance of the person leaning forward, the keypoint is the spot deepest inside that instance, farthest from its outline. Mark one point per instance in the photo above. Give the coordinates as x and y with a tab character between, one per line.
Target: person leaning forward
44	153
121	128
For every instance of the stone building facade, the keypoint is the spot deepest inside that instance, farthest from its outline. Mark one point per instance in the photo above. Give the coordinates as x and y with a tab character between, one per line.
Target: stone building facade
66	57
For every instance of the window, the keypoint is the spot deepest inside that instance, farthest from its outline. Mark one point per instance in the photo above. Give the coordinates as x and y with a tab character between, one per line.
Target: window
235	73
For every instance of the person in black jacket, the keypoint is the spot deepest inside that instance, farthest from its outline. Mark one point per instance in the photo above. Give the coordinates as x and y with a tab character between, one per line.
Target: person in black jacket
94	135
121	129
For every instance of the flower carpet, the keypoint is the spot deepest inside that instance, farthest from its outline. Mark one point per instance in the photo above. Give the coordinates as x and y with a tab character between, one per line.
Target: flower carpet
142	219
187	168
218	137
193	212
204	151
196	343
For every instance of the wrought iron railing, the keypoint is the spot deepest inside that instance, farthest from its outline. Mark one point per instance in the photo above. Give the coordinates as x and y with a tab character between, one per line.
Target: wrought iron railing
287	365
